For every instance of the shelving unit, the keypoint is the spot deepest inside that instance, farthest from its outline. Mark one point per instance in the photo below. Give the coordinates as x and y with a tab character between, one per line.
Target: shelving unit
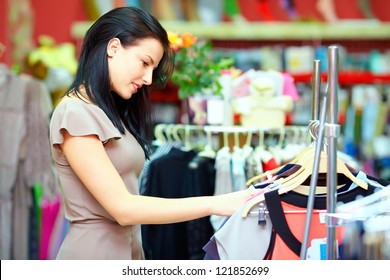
169	94
349	78
362	30
360	36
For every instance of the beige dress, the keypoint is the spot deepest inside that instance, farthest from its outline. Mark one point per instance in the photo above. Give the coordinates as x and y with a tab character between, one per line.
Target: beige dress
93	232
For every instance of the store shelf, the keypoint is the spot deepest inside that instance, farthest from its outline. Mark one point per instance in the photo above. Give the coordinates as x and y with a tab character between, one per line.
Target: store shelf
361	30
348	78
373	33
284	31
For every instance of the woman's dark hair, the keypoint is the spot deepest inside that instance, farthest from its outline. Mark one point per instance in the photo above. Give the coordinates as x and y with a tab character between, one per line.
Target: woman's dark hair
129	25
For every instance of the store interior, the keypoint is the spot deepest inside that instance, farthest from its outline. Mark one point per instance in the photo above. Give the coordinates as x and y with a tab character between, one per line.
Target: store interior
274	62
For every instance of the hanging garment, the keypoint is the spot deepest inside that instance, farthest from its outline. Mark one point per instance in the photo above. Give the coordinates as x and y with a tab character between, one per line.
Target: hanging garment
264	242
25	106
367	223
178	174
22	203
12	131
223	180
238	174
161	150
200	182
166	176
50	209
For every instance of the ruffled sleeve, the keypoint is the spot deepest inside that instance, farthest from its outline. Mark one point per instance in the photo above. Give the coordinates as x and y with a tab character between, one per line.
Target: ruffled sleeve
81	119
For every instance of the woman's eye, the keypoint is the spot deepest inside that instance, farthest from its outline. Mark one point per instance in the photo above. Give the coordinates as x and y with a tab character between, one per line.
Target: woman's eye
145	63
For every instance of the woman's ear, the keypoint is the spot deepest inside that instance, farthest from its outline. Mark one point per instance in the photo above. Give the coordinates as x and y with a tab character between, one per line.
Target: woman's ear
113	46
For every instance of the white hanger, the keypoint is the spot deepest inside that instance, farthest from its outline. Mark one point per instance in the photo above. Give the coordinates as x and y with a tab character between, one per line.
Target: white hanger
247	148
208	150
259	150
187	139
159	134
294	181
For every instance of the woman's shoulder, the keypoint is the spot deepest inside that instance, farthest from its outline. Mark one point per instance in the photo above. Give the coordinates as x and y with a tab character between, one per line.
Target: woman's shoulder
75	105
74	100
80	117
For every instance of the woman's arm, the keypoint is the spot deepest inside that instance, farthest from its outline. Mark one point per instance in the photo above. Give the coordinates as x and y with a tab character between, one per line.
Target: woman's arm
89	160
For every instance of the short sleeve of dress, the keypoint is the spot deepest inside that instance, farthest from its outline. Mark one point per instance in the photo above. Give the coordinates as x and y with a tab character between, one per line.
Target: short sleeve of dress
80	119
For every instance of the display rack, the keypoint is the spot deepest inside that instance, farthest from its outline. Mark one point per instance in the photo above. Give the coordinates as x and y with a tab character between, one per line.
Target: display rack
329	128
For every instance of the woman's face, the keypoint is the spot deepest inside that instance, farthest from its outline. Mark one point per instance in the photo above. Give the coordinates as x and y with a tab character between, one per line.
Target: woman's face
132	67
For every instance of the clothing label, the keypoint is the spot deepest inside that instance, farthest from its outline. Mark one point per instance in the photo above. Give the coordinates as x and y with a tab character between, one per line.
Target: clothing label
322	217
317	250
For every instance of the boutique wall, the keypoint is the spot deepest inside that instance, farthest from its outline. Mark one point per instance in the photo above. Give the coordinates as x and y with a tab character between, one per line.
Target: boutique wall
55	18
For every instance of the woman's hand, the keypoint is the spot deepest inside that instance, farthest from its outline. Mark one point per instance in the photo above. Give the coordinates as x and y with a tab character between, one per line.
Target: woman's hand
227	204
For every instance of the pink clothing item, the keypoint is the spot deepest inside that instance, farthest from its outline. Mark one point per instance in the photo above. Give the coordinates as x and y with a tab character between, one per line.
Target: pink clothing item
289	87
50	211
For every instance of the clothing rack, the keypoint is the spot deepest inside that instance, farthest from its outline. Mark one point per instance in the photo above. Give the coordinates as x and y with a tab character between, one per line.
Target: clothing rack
331	130
233	128
183	132
229	129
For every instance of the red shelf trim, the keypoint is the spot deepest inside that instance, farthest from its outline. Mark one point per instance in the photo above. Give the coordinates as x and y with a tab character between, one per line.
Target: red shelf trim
169	94
348	78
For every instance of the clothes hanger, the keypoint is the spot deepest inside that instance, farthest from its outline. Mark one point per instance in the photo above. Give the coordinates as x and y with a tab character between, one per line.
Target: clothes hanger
269	173
308	160
295	181
224	151
305	154
159	134
304	151
308	156
247	148
168	132
293	145
258	151
225	139
277	149
175	132
208	150
236	142
187	139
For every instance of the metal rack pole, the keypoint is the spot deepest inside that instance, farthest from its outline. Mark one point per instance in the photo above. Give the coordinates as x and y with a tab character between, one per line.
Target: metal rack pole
316	84
317	156
332	132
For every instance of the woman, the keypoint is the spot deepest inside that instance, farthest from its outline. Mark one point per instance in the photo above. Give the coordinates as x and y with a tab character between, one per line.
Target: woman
100	132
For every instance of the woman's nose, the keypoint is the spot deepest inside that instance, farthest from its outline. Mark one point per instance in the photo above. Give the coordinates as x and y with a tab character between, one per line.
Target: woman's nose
148	76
